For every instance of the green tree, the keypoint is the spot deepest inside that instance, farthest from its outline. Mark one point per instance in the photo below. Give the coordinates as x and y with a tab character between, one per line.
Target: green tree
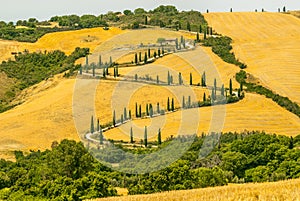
222	90
149	53
136	111
159	137
284	9
169	79
189	102
129	114
147	109
191	79
98	125
180	78
204	36
230	87
203	80
145	58
101	136
157	79
183	102
92	129
197	37
131	135
140	111
146	20
158	108
204	97
172	105
200	29
122	119
241	86
168	104
150	110
140	57
125	113
114	118
158	52
135	58
145	137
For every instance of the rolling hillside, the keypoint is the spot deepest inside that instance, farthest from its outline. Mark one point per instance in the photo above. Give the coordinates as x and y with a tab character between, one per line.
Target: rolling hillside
285	190
268	43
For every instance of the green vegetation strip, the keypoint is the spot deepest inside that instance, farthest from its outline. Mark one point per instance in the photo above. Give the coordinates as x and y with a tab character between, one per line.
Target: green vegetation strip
69	172
31	68
284	102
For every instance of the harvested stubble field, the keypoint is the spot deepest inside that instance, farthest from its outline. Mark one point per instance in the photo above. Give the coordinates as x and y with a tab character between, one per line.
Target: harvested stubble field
268	43
269	191
65	41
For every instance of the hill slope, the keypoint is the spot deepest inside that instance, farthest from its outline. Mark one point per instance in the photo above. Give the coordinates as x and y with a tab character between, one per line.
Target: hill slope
285	190
268	43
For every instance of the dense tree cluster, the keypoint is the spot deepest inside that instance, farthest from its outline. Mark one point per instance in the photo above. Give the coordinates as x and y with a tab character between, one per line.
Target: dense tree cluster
84	21
222	47
69	172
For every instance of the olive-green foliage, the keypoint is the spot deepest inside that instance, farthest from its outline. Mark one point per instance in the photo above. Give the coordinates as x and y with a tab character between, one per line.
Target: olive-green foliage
30	68
68	172
222	47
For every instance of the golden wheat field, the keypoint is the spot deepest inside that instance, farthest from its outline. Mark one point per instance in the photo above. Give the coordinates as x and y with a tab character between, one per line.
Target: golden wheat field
268	43
65	41
269	191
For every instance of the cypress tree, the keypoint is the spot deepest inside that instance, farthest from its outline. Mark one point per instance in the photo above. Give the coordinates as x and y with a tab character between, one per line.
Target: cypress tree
114	118
115	74
200	29
154	54
145	137
183	102
231	10
163	50
92	130
189	102
146	20
147	110
180	78
117	71
181	39
100	61
207	11
168	104
98	125
135	58
129	114
131	135
197	37
140	57
110	61
150	110
86	60
239	93
284	9
204	37
159	137
149	53
104	72
176	43
158	109
80	70
122	119
107	70
211	31
241	86
215	87
101	136
204	97
136	111
191	79
172	105
157	79
140	111
158	52
222	90
213	94
230	87
135	77
169	79
93	70
145	58
125	113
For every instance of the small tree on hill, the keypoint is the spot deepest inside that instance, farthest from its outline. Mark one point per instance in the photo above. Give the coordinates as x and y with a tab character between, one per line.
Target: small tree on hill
159	137
145	137
222	90
168	104
98	125
157	79
169	78
189	102
191	79
92	129
140	57
284	9
150	110
114	118
149	53
101	138
131	135
204	97
145	58
180	78
183	102
197	37
125	113
231	10
140	111
158	52
200	28
136	111
135	58
204	37
230	87
147	109
172	105
158	108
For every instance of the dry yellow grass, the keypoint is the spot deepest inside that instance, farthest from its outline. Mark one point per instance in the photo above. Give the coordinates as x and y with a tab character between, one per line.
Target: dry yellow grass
269	191
254	112
268	43
46	116
65	41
